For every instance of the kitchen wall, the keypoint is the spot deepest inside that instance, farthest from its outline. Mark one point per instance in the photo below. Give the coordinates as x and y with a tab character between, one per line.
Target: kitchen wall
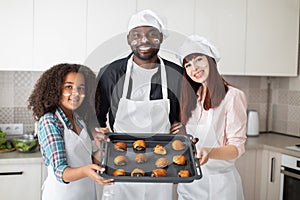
16	86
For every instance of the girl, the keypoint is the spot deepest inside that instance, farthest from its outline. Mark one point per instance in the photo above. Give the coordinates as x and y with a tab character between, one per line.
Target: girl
61	102
214	112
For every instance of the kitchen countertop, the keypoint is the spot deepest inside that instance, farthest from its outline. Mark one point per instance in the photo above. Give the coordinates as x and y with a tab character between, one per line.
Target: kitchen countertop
274	142
270	141
18	158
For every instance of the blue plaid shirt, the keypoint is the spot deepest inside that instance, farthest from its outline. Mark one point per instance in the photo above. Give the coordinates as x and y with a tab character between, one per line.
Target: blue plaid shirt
51	140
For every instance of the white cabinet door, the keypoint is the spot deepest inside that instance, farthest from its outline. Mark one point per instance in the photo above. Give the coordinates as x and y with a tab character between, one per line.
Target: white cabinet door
16	41
59	32
224	24
20	181
179	17
272	37
107	22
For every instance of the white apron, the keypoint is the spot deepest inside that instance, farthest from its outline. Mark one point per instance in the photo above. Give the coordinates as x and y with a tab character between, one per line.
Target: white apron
221	179
150	116
78	152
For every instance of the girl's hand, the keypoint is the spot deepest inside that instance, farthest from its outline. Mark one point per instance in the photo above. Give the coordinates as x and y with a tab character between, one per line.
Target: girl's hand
177	127
91	172
203	155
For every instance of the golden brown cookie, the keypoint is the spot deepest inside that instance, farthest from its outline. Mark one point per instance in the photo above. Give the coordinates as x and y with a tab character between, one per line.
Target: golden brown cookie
179	160
161	163
159	172
159	149
177	145
119	172
139	145
120	160
120	146
140	158
184	173
137	172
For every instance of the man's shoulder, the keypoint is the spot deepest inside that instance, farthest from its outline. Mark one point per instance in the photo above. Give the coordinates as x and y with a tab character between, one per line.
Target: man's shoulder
117	67
172	65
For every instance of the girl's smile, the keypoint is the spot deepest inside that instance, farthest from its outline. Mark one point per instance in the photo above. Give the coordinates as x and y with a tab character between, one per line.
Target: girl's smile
73	91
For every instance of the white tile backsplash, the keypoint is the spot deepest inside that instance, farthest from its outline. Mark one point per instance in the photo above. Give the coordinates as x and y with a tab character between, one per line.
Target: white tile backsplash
15	88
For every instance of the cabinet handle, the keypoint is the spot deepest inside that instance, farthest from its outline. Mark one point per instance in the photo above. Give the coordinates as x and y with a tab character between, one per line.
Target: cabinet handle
272	169
10	173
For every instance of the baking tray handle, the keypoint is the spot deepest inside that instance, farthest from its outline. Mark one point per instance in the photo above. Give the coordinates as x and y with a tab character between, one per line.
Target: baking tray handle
103	150
198	174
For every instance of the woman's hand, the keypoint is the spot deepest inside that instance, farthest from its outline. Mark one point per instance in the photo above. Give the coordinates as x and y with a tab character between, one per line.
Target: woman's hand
203	155
177	127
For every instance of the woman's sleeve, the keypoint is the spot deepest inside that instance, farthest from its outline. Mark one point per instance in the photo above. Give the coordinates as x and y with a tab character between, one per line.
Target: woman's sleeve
53	146
236	122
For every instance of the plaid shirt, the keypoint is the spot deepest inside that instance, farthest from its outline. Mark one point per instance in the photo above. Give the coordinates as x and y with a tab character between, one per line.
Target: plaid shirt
51	139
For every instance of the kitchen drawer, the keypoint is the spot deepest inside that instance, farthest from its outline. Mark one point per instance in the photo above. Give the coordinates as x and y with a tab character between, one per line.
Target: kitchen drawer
22	180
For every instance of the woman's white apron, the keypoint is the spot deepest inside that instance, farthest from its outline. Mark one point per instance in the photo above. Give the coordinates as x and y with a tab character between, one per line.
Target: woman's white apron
78	152
220	178
149	116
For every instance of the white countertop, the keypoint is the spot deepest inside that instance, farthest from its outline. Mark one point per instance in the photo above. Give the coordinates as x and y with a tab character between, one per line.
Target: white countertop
19	158
274	142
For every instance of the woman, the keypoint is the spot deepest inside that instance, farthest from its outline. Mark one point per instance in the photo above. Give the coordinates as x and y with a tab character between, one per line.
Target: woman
61	102
214	112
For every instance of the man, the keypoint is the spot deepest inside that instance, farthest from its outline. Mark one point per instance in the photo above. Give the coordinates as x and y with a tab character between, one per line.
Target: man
140	94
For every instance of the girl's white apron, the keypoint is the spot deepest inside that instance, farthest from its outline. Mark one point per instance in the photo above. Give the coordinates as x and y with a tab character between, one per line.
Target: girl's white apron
78	152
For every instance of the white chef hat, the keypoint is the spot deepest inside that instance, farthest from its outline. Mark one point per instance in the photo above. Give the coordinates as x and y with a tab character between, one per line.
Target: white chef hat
148	18
197	44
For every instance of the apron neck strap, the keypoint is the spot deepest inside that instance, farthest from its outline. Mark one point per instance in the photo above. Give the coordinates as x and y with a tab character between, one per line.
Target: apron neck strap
163	76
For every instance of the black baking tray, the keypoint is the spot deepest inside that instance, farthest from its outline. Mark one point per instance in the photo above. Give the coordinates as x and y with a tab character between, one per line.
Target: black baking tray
108	153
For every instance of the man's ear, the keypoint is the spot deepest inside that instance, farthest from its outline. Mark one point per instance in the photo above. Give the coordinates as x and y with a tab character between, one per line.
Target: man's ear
128	42
161	38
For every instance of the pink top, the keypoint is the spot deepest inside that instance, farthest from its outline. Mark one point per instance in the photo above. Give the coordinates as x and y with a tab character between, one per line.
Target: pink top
224	125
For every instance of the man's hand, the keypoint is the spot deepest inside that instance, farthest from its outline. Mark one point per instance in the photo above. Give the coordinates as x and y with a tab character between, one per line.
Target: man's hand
177	128
99	135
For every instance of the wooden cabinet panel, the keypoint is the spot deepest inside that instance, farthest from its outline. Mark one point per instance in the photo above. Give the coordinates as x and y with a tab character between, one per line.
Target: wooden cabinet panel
246	166
268	178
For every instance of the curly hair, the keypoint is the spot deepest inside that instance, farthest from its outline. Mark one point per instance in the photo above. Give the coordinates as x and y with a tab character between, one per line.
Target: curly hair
47	91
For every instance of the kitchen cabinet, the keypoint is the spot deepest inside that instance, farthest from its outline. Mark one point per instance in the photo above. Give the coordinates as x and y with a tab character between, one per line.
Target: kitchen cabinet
16	24
255	37
246	165
269	175
59	32
21	181
260	173
225	26
107	22
272	37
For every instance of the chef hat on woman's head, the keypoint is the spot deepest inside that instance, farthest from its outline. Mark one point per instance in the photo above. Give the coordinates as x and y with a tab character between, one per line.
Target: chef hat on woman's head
148	18
197	44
